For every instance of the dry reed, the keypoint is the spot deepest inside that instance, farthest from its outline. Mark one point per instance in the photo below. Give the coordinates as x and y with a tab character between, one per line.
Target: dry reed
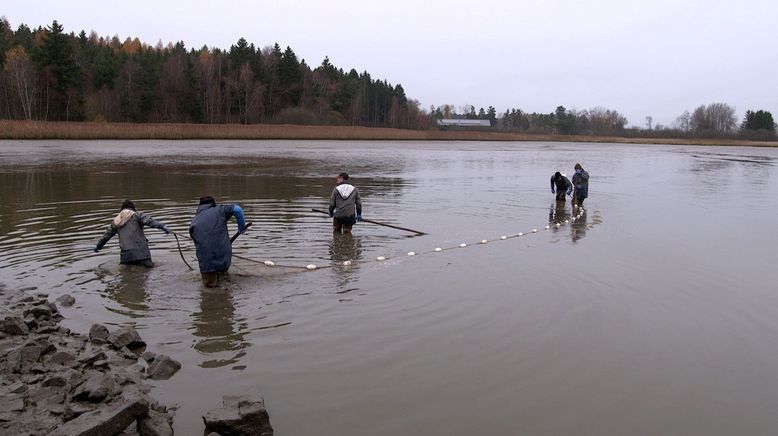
92	130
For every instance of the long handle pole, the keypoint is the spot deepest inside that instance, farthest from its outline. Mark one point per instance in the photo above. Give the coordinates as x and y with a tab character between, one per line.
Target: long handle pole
378	223
235	236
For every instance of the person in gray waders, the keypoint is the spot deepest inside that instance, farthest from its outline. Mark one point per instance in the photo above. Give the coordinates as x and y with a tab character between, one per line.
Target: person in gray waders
345	205
581	185
132	241
562	184
212	240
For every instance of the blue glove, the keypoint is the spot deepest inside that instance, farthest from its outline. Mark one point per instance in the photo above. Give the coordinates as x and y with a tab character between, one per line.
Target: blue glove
359	217
96	249
332	214
552	191
243	230
165	229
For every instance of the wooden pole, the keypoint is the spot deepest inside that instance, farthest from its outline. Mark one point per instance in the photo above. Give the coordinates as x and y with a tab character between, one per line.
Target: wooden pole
378	223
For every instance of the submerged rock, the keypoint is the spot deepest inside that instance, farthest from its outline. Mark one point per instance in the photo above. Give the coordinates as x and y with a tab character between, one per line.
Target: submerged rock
66	300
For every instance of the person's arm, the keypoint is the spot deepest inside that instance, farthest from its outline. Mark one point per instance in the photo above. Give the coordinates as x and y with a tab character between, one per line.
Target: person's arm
332	202
106	236
237	211
569	187
552	186
358	203
585	176
147	220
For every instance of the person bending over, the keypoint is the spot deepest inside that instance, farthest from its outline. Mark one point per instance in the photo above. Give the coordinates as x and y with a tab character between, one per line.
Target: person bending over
212	241
132	241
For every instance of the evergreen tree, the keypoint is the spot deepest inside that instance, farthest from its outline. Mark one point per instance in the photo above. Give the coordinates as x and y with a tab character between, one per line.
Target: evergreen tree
61	74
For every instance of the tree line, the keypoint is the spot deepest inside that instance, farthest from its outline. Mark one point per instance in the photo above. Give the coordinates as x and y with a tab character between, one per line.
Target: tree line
48	74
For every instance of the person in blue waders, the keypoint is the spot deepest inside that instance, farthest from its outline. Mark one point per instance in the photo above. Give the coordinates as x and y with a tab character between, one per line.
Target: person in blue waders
212	240
345	205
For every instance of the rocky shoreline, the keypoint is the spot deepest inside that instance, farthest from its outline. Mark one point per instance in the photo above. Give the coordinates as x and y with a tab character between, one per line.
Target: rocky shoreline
54	381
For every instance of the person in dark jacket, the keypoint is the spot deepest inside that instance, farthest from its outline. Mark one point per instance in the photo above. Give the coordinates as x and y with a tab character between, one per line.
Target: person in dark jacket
562	184
209	233
581	185
132	241
345	205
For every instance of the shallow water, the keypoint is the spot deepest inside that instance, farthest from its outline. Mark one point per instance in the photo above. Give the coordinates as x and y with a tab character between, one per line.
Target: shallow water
655	313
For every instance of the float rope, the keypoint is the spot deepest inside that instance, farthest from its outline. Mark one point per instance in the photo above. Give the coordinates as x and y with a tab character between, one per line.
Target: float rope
312	267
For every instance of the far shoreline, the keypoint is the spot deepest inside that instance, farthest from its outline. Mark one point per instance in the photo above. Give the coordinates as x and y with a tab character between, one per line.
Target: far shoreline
51	130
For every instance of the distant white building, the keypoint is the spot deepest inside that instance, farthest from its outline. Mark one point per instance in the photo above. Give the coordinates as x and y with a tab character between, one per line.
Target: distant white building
451	122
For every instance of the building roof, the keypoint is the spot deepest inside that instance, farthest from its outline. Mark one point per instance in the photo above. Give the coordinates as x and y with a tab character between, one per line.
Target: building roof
464	122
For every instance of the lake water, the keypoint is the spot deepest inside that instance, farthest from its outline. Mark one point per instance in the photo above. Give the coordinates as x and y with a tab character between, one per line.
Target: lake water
655	312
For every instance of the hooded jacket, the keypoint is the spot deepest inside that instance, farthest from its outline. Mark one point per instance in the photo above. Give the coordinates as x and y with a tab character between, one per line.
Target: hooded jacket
562	185
345	201
209	233
581	183
132	241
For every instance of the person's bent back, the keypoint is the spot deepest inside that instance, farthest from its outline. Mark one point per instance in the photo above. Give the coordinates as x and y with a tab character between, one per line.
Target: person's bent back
132	241
210	235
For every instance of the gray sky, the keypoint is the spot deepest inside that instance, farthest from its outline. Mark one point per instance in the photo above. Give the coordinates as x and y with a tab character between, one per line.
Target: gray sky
654	58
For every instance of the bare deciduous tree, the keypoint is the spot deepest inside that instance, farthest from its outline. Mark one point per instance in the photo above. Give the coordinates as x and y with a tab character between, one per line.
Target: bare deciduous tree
22	76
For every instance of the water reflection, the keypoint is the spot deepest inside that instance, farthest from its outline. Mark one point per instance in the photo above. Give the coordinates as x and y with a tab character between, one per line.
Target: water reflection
558	214
126	285
218	327
345	247
579	226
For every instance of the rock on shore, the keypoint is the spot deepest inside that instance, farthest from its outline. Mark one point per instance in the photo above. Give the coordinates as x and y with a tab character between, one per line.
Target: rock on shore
53	381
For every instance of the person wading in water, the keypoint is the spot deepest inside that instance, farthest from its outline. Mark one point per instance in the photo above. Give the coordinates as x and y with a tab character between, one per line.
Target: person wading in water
132	241
563	186
345	205
212	242
581	184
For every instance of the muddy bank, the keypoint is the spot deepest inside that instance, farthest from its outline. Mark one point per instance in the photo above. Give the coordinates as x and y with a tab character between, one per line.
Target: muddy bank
54	381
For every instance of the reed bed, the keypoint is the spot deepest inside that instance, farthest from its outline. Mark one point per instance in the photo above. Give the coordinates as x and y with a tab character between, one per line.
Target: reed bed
172	131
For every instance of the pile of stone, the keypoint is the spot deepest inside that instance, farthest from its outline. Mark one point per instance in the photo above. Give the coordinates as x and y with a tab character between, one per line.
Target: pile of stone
54	381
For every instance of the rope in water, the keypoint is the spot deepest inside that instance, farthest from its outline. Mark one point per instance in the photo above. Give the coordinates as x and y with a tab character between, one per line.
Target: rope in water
312	267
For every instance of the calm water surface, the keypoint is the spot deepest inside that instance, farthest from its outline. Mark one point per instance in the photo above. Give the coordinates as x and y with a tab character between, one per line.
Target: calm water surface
655	313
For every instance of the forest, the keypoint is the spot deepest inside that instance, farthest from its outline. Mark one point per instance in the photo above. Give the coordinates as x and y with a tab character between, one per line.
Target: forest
50	75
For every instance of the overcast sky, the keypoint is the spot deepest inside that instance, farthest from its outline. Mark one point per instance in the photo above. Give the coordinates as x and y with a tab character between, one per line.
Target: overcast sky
654	58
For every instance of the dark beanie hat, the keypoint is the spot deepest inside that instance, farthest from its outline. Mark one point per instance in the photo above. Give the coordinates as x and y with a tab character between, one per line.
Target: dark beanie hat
557	175
343	175
207	200
127	204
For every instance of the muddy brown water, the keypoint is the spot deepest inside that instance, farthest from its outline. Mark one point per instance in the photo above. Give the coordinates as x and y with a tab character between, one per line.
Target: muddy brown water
655	313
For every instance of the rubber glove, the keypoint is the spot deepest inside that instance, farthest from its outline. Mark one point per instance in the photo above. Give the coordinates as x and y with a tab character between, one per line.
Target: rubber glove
359	217
96	249
166	229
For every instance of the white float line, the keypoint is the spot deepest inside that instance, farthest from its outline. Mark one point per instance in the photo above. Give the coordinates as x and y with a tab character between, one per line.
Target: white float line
482	241
313	267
